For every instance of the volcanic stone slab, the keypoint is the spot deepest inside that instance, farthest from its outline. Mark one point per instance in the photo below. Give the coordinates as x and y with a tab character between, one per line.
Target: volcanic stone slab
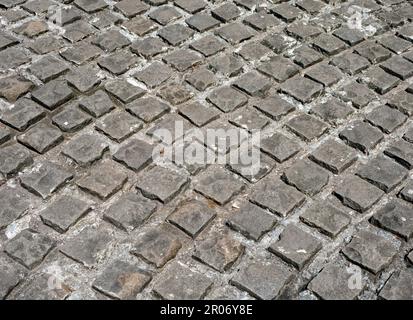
135	154
71	119
53	94
307	127
148	108
14	86
302	89
227	99
386	119
12	275
402	152
357	193
280	147
119	125
274	107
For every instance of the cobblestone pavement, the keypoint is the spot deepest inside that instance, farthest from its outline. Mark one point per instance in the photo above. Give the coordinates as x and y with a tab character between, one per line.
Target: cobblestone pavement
86	214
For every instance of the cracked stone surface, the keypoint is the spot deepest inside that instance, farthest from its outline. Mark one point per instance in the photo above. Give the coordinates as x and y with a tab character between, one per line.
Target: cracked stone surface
85	190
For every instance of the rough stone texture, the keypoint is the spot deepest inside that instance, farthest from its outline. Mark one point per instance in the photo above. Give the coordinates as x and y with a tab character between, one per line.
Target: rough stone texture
262	279
157	246
295	246
29	248
371	251
332	284
219	251
86	84
122	280
357	193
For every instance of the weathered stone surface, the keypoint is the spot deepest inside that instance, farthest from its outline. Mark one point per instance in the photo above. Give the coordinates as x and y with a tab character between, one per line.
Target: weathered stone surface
85	149
71	119
64	213
161	184
122	280
130	211
97	104
307	127
219	185
274	107
19	202
119	125
192	217
386	119
357	194
371	251
399	286
397	217
383	172
280	147
295	246
29	248
13	87
277	197
53	94
264	279
24	113
306	176
45	178
181	283
148	108
103	181
88	247
157	246
252	221
227	99
219	251
327	218
14	158
41	137
362	136
12	275
332	284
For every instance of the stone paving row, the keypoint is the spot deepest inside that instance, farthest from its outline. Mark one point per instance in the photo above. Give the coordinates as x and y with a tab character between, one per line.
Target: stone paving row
85	213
